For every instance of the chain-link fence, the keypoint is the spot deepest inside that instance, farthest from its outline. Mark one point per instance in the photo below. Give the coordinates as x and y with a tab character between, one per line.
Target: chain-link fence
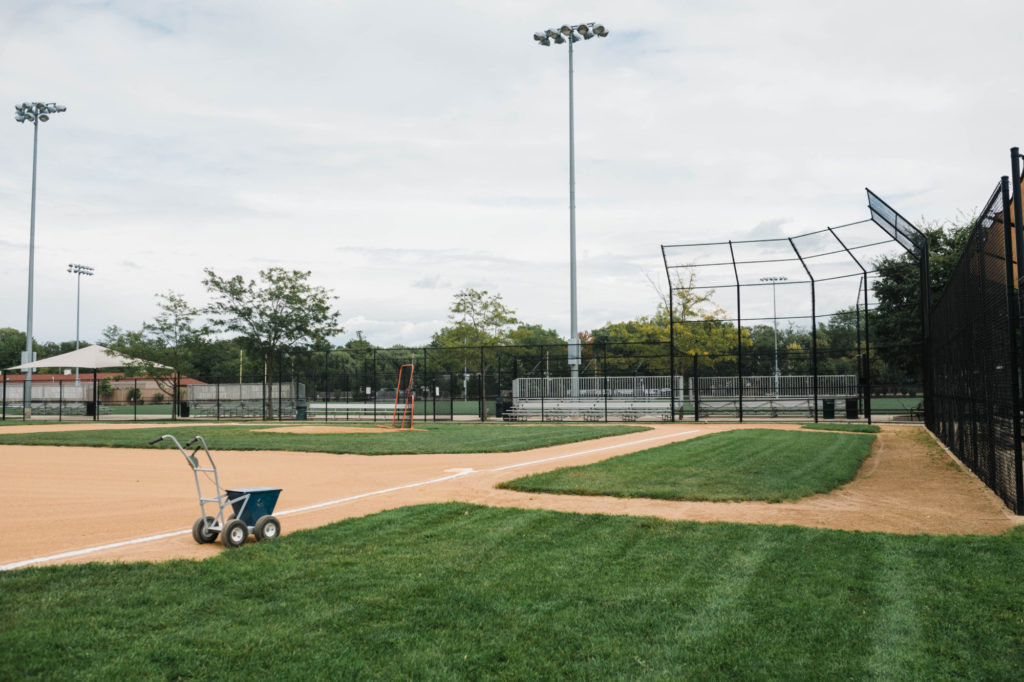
975	378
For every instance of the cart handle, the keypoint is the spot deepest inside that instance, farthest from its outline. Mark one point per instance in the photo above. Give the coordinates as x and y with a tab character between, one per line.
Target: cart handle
194	439
157	440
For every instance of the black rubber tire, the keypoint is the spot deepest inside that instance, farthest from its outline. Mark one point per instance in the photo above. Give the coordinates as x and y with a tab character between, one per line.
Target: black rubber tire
199	530
267	528
234	534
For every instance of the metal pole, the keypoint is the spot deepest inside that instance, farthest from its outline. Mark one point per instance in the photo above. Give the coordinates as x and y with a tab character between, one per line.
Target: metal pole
1013	327
574	347
1017	223
671	353
867	354
78	316
775	333
26	398
739	329
814	328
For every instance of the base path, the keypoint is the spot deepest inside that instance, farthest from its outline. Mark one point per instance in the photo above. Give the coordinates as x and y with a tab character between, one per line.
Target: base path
73	504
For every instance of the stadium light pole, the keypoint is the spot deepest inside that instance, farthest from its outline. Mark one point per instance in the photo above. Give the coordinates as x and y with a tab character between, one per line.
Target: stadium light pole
78	270
572	34
34	112
775	325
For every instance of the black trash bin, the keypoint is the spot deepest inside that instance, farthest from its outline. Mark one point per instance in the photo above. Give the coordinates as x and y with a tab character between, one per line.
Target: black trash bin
183	409
851	408
828	408
90	409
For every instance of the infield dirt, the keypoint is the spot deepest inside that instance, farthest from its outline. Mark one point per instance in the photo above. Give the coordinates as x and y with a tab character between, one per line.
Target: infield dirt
56	500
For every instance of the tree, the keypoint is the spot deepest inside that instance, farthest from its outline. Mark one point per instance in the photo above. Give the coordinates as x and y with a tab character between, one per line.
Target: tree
282	311
164	348
896	322
478	320
12	344
483	320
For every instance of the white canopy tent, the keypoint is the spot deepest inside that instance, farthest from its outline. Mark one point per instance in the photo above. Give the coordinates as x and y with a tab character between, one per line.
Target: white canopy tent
90	357
93	358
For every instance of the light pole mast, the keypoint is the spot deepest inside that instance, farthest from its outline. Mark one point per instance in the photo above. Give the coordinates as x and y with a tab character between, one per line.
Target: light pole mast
775	326
572	34
34	112
79	270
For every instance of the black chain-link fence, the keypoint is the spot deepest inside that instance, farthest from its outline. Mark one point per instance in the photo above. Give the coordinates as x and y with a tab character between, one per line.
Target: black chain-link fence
976	402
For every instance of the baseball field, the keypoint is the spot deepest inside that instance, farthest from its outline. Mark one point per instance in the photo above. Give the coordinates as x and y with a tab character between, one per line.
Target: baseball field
480	551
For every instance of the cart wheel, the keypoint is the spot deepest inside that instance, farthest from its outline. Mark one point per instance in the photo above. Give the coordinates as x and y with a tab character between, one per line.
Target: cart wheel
234	534
201	532
267	528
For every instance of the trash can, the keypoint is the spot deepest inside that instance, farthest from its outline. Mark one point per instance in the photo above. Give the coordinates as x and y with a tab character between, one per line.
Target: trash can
300	413
90	409
183	410
261	502
851	408
828	408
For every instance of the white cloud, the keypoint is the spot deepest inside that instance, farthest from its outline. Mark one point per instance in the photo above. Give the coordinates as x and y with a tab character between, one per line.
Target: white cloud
401	151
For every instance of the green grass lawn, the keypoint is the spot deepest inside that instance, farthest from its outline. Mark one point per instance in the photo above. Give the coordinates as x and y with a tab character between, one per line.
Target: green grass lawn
463	592
852	428
430	438
754	464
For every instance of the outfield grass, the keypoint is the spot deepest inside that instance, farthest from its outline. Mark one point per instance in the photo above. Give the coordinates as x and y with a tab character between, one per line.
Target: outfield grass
852	428
749	464
463	592
428	438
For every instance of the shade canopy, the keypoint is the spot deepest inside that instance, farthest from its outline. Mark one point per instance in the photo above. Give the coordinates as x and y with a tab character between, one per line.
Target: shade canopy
90	357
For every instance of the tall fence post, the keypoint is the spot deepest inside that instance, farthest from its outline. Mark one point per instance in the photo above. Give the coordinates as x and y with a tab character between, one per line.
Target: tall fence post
696	390
1018	227
1013	326
739	329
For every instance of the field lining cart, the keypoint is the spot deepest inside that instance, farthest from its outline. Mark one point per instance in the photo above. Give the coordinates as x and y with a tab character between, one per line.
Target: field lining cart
252	508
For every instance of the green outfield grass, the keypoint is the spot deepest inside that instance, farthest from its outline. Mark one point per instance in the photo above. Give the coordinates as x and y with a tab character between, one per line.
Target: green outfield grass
851	428
463	592
428	438
754	464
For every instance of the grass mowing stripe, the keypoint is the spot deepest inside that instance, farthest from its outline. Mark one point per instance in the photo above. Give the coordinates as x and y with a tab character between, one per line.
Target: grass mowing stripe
588	452
460	591
753	464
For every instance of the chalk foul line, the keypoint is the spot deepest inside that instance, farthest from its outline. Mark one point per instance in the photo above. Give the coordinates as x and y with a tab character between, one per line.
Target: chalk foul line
458	474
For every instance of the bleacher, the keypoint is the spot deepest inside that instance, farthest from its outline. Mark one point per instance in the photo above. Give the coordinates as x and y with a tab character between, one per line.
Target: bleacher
589	410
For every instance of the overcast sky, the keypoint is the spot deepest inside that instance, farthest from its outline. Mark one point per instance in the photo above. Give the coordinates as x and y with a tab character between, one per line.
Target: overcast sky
404	150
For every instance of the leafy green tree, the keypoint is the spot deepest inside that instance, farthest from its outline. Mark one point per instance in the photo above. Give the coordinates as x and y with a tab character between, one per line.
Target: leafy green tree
166	347
896	322
282	311
12	343
477	319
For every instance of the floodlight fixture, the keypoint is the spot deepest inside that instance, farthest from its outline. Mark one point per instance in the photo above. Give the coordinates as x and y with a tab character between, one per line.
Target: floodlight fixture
78	270
583	31
34	112
774	279
539	35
